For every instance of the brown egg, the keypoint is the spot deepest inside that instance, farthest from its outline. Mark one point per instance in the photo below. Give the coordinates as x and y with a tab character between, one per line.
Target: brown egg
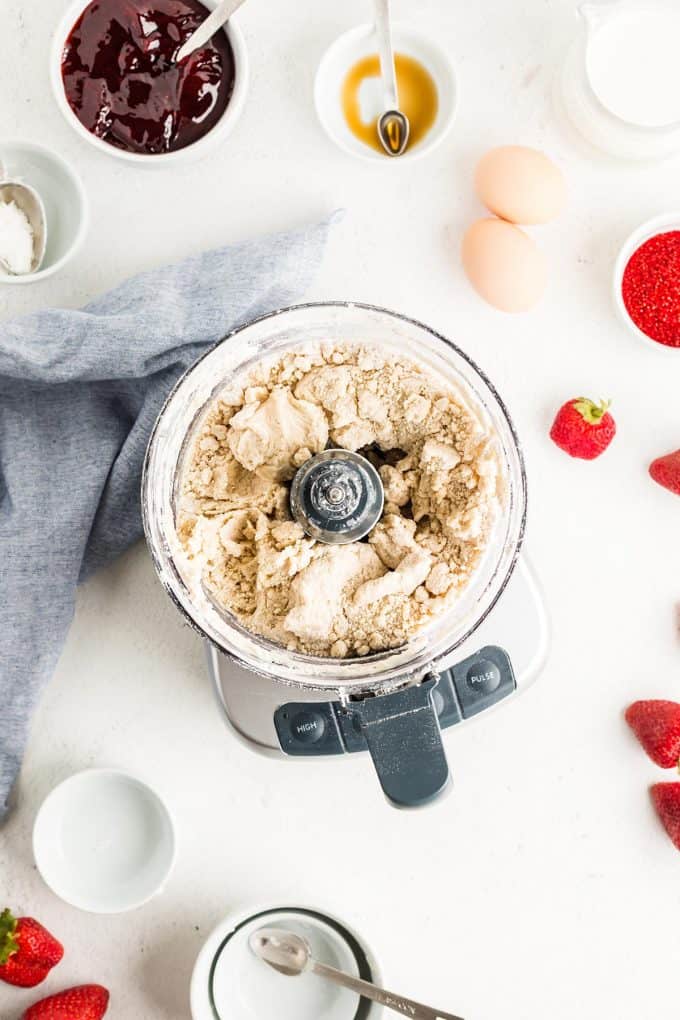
521	185
504	265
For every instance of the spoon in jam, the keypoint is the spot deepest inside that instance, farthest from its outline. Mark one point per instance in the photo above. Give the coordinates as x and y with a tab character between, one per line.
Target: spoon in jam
206	30
393	125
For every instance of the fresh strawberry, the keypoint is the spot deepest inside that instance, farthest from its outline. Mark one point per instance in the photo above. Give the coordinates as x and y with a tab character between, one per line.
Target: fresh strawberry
656	724
583	428
666	471
27	951
86	1002
666	797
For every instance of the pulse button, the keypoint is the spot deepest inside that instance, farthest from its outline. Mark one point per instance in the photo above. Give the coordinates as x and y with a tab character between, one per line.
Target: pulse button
308	727
483	677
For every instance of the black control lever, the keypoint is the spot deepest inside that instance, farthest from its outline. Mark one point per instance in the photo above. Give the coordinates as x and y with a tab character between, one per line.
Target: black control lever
405	743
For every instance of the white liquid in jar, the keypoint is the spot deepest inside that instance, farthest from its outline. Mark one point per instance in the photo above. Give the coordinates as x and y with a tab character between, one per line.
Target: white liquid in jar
633	64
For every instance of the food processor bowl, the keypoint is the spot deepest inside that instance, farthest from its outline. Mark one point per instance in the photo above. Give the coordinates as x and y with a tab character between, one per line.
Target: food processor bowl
364	685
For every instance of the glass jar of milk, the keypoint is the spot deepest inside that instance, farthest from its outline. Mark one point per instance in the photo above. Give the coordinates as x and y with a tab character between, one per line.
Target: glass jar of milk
620	83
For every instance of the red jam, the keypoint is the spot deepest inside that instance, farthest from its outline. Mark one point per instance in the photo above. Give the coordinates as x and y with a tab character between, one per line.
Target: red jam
123	85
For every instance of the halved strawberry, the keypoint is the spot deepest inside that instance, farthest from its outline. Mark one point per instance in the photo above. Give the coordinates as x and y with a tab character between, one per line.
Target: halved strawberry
666	798
656	724
666	471
86	1002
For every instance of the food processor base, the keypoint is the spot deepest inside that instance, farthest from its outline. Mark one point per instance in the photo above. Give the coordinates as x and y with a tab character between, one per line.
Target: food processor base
501	658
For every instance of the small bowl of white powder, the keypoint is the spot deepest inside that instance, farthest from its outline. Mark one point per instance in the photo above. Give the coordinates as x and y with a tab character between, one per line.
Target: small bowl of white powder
64	201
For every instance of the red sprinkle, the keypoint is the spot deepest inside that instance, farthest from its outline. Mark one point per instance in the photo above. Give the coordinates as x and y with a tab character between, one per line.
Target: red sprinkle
651	288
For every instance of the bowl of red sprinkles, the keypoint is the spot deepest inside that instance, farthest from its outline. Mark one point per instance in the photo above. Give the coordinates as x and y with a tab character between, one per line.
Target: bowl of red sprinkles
647	282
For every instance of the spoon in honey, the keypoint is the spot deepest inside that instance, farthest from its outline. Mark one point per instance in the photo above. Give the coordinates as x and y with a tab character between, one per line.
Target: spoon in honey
393	125
207	29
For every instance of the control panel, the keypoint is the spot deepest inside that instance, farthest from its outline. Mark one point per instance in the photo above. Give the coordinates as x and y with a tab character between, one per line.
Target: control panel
463	690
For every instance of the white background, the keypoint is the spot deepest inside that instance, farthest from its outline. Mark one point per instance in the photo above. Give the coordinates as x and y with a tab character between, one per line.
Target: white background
544	885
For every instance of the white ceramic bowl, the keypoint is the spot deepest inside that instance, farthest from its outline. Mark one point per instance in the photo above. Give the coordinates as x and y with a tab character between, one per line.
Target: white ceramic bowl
659	225
189	153
104	841
227	974
63	196
361	42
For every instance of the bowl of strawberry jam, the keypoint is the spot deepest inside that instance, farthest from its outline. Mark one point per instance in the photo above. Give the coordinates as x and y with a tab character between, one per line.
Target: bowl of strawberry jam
118	83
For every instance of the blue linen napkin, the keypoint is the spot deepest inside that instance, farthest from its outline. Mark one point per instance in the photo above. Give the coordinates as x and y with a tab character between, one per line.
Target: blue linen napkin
79	393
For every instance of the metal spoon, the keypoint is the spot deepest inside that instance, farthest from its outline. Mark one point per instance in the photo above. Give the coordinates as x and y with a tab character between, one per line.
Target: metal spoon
291	955
393	126
206	30
31	204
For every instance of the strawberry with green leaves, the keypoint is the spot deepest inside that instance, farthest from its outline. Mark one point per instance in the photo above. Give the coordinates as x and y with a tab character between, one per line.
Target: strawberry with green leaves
27	951
583	428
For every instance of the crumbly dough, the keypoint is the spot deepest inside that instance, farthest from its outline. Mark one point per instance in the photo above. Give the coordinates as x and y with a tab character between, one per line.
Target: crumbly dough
440	472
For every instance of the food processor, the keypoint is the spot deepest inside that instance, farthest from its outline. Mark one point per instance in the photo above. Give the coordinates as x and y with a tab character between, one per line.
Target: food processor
394	703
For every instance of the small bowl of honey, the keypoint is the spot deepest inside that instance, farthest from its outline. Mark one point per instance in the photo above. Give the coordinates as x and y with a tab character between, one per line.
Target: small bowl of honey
348	92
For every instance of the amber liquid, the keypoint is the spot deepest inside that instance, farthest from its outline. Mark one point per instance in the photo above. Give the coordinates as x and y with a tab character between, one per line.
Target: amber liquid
418	98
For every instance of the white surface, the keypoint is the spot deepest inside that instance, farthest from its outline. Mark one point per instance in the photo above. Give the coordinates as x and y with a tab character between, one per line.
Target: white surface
351	47
104	842
199	149
543	884
633	65
62	194
245	988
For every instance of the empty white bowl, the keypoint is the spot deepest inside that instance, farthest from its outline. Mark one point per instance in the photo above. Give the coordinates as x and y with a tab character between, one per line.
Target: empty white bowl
104	841
230	983
63	196
196	150
361	42
659	225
